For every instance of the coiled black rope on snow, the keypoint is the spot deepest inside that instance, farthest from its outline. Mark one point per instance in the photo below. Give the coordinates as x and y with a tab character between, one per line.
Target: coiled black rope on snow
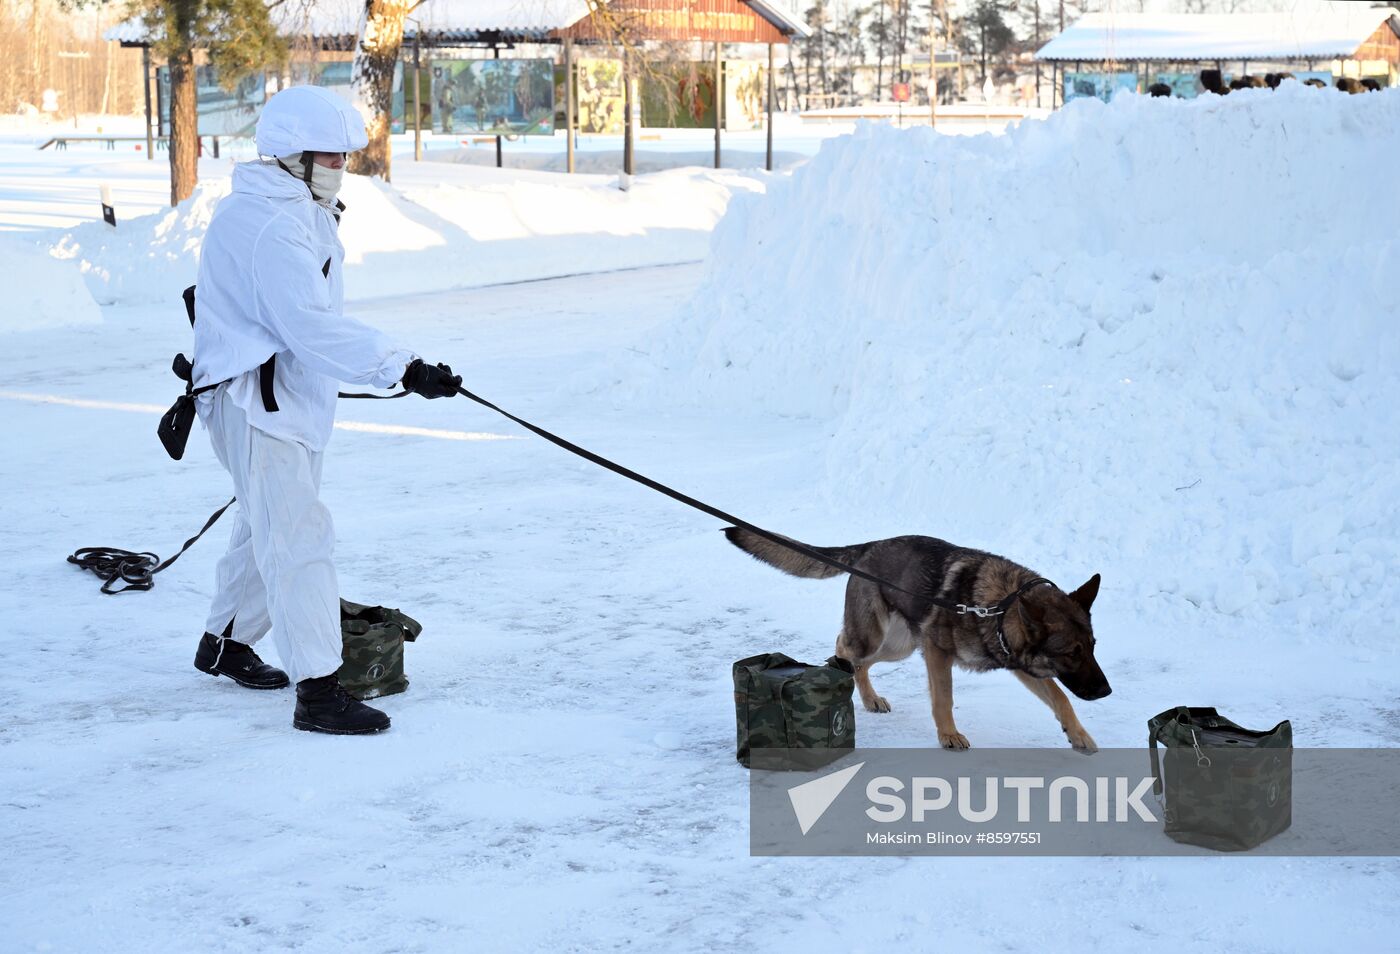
136	570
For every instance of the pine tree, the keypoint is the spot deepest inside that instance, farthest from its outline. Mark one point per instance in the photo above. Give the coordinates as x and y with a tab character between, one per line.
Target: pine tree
818	18
239	37
880	33
986	32
849	42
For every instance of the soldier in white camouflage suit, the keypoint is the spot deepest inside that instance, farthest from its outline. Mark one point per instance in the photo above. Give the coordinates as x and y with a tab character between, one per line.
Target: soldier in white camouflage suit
271	346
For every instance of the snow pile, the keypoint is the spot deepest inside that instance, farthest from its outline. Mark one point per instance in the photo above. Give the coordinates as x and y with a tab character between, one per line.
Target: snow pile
149	258
40	291
1156	338
439	226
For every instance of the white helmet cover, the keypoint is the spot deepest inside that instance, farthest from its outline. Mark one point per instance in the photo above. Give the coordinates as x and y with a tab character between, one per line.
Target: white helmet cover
309	119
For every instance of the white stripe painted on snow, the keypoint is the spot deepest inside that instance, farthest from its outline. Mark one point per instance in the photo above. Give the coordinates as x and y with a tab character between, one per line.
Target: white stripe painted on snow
362	427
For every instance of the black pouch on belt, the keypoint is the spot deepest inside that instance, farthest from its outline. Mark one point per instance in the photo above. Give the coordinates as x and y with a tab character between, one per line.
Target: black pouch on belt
176	423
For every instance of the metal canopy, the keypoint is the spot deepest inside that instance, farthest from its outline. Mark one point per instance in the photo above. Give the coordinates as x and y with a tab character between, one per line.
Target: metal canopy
1319	32
334	24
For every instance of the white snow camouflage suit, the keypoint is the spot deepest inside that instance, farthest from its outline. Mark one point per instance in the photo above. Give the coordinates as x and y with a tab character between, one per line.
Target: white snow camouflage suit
270	283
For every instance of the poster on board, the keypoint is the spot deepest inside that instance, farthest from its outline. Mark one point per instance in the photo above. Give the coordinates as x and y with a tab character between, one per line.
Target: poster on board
1099	85
602	100
493	97
222	112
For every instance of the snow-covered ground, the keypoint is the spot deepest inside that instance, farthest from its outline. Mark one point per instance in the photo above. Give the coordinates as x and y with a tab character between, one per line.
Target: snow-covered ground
50	188
560	775
439	226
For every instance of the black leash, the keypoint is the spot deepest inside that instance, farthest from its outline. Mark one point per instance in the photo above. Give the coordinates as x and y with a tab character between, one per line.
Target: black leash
136	570
689	501
999	610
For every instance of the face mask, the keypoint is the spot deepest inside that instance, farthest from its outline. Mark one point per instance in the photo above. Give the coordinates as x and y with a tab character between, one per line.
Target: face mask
325	181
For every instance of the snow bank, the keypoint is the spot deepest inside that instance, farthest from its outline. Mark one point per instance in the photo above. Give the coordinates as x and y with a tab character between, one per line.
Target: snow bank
40	291
1157	338
149	258
440	226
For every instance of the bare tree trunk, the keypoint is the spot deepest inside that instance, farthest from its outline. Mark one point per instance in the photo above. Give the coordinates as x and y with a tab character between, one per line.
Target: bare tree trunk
983	36
807	70
381	35
790	94
901	30
184	127
880	54
36	47
110	61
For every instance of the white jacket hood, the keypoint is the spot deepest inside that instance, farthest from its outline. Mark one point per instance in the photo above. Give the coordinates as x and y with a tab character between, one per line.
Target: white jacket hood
269	180
309	119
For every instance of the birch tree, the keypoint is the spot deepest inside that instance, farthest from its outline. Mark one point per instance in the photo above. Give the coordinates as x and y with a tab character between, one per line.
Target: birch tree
376	56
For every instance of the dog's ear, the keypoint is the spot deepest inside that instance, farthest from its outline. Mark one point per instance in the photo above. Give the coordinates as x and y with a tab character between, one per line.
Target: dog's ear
1084	596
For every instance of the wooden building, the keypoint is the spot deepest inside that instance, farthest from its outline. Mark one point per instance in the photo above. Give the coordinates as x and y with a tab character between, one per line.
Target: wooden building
495	25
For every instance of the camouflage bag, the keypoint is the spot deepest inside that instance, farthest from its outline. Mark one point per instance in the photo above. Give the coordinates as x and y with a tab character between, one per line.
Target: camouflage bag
1227	788
372	640
781	703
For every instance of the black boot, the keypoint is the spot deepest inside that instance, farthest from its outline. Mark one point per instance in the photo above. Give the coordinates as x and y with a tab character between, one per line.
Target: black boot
323	706
226	657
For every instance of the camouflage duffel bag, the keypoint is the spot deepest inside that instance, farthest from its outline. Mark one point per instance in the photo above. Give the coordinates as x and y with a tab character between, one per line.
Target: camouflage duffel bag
781	703
1226	787
372	649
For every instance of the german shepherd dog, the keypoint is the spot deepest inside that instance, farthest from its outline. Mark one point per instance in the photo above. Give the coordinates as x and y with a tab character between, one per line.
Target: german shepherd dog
1044	635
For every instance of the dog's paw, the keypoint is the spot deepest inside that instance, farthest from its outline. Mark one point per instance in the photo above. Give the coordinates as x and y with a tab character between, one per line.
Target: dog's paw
1081	740
953	740
878	704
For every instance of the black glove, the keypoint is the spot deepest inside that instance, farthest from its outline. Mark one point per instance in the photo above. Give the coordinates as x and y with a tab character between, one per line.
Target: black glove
429	381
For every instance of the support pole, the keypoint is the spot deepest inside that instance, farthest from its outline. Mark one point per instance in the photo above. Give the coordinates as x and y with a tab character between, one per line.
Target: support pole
627	144
569	103
769	164
719	101
417	99
1037	47
146	88
932	79
497	55
1059	66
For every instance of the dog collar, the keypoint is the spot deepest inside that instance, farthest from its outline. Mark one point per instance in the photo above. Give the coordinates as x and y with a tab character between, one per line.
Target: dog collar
1001	609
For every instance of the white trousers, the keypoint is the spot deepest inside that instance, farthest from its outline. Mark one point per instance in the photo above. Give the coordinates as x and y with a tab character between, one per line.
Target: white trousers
277	574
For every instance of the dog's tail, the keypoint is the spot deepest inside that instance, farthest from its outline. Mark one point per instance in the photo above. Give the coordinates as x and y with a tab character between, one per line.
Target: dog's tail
792	561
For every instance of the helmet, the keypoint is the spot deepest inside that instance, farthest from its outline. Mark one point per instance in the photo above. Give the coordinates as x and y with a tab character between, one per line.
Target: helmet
309	119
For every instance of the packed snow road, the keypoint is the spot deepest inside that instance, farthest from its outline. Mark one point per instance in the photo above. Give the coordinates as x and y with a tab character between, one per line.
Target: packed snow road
560	775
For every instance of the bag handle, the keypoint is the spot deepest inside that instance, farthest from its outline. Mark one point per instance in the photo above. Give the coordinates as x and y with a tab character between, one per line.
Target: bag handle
1180	715
1155	725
